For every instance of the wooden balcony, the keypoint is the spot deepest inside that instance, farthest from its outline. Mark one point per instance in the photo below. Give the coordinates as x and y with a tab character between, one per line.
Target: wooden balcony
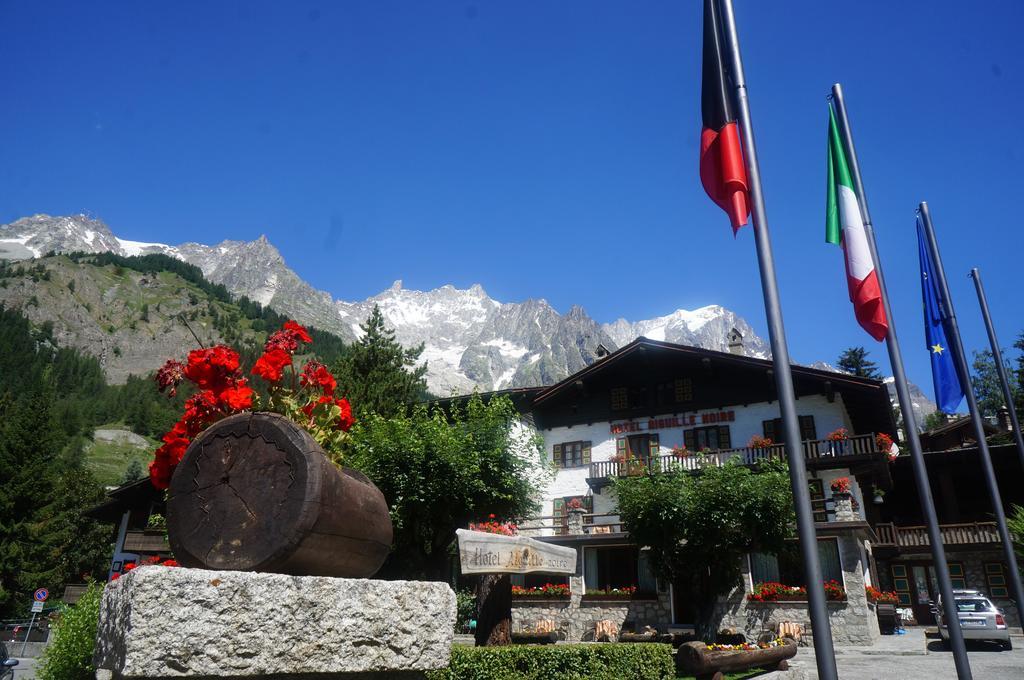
594	524
818	453
915	538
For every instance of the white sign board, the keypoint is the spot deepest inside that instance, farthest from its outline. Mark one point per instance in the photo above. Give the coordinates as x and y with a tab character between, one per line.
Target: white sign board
37	607
484	553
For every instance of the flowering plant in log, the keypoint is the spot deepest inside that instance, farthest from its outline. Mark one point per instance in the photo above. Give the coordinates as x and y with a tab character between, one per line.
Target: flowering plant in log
155	560
840	485
574	504
493	526
885	444
308	398
758	442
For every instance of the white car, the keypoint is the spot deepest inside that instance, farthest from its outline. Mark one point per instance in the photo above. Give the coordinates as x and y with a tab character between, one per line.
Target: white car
979	619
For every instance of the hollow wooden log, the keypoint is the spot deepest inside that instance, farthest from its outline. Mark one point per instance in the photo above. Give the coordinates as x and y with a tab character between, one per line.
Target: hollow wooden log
255	492
694	658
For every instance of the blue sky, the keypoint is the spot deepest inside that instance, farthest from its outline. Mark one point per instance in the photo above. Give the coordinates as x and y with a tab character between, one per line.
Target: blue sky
540	149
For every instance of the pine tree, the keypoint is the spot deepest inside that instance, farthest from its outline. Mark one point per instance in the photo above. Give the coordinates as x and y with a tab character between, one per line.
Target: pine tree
134	472
855	361
988	389
377	374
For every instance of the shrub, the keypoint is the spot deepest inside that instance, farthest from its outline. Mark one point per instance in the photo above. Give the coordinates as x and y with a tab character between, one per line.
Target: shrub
566	662
465	603
69	654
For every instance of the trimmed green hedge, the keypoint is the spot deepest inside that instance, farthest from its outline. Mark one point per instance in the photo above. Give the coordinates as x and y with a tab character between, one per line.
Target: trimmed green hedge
567	662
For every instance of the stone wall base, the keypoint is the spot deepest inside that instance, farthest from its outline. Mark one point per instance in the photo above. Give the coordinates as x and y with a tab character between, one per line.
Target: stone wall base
161	622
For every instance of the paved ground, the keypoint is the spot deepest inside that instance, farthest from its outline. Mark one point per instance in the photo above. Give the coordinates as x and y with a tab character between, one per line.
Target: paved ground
913	657
25	670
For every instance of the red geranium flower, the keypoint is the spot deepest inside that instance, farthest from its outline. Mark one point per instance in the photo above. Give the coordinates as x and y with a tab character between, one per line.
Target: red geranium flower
237	398
316	375
128	567
212	368
169	563
270	366
170	375
299	331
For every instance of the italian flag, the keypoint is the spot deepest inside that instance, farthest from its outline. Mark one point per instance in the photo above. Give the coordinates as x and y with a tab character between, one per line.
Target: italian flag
844	226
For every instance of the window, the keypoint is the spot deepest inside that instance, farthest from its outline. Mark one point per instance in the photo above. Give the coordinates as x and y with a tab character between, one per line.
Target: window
713	437
675	391
617	567
995	577
773	429
638	447
620	398
571	454
956	575
787	566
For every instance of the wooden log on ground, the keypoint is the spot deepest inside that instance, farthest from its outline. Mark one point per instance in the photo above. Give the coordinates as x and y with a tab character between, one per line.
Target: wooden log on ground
255	492
694	658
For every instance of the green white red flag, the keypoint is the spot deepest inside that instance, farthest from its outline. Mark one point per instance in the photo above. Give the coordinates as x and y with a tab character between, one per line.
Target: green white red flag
845	226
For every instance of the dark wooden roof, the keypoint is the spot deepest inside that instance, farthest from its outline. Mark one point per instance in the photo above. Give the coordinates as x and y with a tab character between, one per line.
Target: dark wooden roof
132	496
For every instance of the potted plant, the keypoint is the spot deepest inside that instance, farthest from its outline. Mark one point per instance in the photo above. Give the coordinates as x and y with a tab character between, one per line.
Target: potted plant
840	485
270	467
837	441
879	496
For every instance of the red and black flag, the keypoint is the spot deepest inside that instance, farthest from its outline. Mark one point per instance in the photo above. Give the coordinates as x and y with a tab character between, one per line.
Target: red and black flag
722	170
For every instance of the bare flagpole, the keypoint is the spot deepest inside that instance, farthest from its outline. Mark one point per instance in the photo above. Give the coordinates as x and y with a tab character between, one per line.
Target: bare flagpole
964	374
824	652
997	354
924	489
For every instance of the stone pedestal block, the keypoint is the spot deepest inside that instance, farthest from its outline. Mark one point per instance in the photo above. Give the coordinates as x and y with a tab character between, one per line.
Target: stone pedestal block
162	622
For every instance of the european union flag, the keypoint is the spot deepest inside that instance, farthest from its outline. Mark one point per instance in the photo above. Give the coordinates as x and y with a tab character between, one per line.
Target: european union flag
948	392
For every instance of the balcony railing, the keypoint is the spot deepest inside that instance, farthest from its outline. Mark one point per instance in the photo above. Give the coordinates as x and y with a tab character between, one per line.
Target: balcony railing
910	538
815	450
558	525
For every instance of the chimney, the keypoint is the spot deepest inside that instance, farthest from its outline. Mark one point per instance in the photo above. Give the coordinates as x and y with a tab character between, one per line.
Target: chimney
1003	419
735	342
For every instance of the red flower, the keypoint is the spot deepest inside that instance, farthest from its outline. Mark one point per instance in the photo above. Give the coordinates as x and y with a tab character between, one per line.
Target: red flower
115	576
153	559
169	563
316	375
237	398
128	567
345	419
213	368
271	365
299	331
170	375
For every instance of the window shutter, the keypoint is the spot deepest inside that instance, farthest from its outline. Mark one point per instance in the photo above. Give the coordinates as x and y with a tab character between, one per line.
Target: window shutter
620	447
689	440
556	455
559	507
586	453
724	439
588	503
654	444
769	429
807	429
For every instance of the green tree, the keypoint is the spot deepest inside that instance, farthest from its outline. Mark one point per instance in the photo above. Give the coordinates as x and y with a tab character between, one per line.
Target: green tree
933	420
699	527
855	361
988	390
1018	376
134	472
439	471
1015	523
377	374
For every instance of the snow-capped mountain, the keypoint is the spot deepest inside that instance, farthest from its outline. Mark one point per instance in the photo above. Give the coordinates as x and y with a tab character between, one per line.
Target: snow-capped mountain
470	339
707	327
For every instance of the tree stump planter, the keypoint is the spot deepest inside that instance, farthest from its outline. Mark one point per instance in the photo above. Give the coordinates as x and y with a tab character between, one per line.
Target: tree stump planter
694	658
255	492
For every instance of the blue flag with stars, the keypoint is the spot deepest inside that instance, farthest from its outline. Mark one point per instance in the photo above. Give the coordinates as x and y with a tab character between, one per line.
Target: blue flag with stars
948	392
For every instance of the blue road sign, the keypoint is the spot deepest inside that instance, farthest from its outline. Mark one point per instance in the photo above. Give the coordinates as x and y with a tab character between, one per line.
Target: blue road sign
41	595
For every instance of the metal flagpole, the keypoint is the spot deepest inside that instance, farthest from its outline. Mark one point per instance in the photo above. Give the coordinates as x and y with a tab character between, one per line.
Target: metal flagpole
924	489
997	354
822	629
960	359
